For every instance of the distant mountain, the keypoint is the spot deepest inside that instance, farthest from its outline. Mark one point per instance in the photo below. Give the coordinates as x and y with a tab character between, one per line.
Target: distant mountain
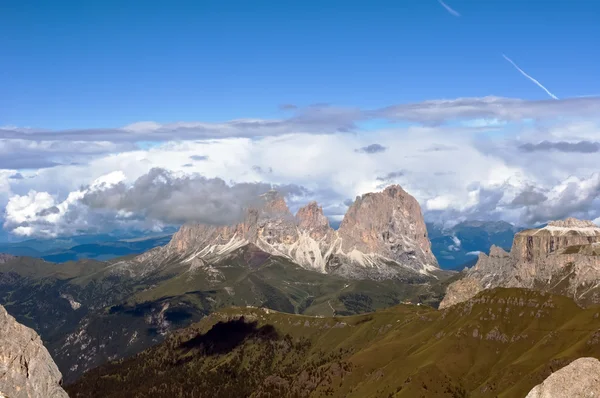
92	311
457	247
561	258
97	247
502	342
382	236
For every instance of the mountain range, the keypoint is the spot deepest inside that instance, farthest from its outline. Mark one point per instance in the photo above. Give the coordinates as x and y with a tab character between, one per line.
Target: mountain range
89	311
563	257
287	303
454	247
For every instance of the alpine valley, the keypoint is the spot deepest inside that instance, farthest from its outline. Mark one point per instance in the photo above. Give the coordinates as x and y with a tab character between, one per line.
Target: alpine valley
89	312
284	305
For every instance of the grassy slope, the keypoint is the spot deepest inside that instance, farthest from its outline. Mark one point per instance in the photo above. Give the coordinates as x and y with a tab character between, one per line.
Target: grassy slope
113	320
501	343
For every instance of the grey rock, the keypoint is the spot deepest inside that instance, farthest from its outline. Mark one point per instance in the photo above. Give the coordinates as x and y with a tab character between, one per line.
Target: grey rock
4	258
561	258
579	379
26	368
382	236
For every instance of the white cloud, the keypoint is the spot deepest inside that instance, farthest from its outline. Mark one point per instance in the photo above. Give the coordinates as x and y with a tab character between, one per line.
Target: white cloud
473	169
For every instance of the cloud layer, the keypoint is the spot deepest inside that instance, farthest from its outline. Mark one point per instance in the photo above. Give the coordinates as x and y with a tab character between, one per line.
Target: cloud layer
467	158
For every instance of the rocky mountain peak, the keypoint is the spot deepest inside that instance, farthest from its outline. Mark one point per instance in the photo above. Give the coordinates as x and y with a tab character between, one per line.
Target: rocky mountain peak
389	223
382	235
26	367
311	219
496	251
273	204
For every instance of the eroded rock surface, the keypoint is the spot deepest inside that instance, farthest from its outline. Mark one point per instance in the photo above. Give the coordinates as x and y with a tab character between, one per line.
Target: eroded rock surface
383	235
579	379
26	368
560	258
5	257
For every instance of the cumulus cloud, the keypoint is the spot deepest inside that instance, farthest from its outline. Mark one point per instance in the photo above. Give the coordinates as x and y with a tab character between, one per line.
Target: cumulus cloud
562	146
473	169
456	243
156	199
373	148
530	196
574	196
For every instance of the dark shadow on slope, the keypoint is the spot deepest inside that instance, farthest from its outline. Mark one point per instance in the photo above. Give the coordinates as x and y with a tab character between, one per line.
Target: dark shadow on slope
223	337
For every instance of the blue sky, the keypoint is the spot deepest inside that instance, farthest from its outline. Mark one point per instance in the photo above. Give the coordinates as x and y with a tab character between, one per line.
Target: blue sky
83	64
147	112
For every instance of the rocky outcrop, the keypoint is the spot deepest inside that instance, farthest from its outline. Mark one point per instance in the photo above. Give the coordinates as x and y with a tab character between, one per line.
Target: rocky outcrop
534	244
561	258
311	219
383	235
4	258
579	379
26	368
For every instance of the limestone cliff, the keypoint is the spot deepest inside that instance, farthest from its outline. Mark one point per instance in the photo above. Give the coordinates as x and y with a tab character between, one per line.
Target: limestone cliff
26	368
560	258
579	379
383	235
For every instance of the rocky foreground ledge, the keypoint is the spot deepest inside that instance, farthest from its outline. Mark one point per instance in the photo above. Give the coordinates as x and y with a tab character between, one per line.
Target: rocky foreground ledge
580	379
26	368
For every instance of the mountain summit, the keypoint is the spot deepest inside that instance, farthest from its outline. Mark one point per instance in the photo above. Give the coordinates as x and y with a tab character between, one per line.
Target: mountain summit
382	236
562	257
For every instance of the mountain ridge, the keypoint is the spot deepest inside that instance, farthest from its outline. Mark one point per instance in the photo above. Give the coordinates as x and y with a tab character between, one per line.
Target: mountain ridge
502	342
382	235
561	257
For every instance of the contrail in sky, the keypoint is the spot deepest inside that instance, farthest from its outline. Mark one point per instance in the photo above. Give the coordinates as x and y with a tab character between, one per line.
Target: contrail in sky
529	77
449	9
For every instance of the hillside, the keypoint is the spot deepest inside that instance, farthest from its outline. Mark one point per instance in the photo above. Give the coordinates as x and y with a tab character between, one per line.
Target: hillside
502	343
88	312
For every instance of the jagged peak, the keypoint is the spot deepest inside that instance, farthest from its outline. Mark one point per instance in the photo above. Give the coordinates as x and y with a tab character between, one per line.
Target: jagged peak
311	216
497	251
395	190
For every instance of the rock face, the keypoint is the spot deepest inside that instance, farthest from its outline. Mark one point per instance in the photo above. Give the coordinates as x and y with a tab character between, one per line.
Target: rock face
383	235
26	368
5	257
579	379
561	258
